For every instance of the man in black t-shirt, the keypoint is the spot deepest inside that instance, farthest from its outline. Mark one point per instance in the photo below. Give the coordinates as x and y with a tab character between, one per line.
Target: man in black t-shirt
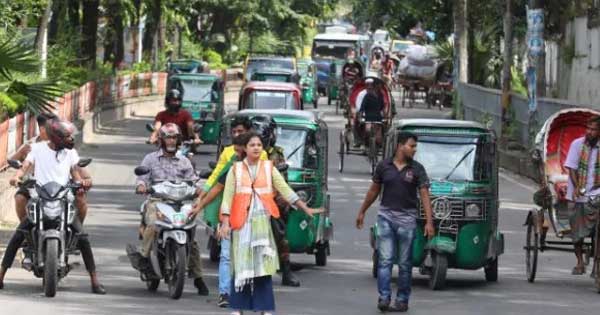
401	178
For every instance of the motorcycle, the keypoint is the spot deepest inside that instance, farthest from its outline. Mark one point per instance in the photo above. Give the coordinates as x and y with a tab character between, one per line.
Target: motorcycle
175	235
53	237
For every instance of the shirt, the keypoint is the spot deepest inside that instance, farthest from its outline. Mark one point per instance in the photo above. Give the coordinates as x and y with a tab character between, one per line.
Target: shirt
572	162
163	168
400	186
372	105
50	165
181	119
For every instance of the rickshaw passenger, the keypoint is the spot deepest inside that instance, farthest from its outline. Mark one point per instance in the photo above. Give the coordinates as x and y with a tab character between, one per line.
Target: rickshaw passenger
351	71
370	105
583	163
387	69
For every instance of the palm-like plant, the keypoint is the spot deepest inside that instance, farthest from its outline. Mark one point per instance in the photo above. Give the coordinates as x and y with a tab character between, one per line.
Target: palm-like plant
18	91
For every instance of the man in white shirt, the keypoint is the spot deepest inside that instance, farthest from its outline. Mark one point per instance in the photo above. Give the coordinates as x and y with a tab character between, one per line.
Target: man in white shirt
53	161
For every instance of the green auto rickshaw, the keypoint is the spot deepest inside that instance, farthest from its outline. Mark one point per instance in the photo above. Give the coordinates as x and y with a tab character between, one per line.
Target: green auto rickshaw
304	139
335	77
308	79
203	97
464	197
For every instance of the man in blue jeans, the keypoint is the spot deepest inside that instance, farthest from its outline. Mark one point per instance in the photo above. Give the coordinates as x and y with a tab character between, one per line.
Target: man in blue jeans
402	179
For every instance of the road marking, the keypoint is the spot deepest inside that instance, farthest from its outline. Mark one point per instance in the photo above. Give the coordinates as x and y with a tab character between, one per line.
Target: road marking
516	206
359	180
516	182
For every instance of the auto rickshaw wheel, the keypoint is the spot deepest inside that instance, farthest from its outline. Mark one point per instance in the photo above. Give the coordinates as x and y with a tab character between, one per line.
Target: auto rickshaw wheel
491	271
341	153
321	254
375	260
214	249
328	99
531	246
437	278
316	101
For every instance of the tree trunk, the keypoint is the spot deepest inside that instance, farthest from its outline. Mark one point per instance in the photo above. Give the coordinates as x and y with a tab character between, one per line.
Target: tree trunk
73	14
89	32
461	42
58	15
540	61
114	45
150	33
508	59
42	38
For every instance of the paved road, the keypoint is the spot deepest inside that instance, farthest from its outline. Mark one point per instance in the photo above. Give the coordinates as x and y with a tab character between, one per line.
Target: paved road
344	286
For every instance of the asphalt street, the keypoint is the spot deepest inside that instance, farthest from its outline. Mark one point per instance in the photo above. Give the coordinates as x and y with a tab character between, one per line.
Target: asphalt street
344	286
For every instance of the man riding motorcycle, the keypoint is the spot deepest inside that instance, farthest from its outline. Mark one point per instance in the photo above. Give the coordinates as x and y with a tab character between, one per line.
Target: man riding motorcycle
175	114
54	161
266	128
165	164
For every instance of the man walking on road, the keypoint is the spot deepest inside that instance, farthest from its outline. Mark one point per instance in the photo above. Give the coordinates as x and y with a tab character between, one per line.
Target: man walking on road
583	163
401	178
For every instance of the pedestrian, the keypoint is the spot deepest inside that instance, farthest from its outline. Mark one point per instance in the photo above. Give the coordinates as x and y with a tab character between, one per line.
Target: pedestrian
583	163
246	209
402	180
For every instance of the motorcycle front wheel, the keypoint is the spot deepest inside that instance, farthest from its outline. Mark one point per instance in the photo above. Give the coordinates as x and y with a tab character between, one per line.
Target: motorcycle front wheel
51	268
176	273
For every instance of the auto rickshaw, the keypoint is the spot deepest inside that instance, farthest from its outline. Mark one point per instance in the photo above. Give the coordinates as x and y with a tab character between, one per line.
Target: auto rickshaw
203	97
464	197
274	75
335	76
308	80
270	95
304	139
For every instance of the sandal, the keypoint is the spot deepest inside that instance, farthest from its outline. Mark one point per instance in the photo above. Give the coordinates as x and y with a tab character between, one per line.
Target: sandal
578	270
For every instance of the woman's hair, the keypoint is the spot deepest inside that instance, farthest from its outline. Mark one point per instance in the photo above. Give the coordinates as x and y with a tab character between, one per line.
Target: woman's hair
245	138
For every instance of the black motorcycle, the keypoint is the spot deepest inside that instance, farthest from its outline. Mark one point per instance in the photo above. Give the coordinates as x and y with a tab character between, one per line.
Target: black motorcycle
53	236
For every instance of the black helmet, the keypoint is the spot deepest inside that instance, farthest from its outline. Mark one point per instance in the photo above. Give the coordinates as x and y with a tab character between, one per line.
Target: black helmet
265	128
173	100
60	133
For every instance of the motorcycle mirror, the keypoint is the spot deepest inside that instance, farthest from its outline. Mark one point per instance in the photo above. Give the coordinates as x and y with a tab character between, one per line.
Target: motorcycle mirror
282	167
141	170
205	174
15	164
83	162
150	127
212	164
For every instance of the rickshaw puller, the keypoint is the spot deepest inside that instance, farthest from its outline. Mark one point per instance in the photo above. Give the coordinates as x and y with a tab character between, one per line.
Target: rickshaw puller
370	105
583	163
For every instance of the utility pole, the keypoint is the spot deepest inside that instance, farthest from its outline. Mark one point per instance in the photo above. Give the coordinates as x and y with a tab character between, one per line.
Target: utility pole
536	68
508	60
461	40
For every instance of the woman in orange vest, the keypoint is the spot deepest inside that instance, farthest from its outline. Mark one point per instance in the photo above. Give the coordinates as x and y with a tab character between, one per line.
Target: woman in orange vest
246	209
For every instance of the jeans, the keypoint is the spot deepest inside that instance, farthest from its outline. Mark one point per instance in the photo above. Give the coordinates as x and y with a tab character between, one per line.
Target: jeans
394	241
224	267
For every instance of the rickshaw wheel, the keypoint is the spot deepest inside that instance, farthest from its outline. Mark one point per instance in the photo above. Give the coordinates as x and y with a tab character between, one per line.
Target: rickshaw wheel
341	153
375	260
316	101
437	278
372	151
491	271
531	247
337	107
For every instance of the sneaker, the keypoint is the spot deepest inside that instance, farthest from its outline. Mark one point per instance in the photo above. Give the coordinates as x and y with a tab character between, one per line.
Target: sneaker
223	300
400	307
383	305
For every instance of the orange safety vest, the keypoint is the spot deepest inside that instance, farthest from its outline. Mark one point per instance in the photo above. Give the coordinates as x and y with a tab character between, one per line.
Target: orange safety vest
244	187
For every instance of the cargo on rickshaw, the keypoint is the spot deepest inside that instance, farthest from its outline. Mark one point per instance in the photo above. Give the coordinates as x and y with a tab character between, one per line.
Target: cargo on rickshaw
308	80
303	136
270	95
203	96
366	128
464	197
554	208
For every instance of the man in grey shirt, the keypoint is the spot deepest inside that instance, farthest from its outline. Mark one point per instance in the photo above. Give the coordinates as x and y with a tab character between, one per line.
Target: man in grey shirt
401	178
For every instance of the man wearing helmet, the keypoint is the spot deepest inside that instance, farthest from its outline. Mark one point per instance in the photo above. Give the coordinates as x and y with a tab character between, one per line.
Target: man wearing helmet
54	161
175	114
266	127
165	164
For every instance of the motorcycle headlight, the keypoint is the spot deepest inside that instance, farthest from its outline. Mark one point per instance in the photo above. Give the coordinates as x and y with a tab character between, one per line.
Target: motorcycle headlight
52	209
472	211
